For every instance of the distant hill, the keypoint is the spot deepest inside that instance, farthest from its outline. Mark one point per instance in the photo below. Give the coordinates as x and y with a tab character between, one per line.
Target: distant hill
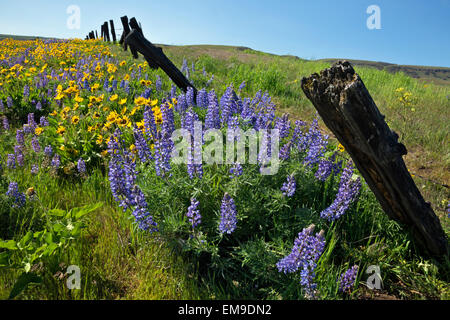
437	75
5	36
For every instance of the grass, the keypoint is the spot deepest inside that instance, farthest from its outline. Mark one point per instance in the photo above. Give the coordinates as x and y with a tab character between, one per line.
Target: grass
119	262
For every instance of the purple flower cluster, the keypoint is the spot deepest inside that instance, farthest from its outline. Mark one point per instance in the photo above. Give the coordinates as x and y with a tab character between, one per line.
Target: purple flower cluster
194	213
81	166
228	219
328	167
347	193
305	253
122	177
14	193
347	279
289	186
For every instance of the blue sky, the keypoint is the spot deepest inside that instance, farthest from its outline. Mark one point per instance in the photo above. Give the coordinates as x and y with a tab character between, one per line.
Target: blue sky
414	32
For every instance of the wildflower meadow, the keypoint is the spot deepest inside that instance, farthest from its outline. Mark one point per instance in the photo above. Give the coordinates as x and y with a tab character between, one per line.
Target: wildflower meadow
237	192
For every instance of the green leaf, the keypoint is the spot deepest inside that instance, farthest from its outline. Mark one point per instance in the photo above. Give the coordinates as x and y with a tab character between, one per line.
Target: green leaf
9	245
22	282
4	258
81	212
56	213
25	239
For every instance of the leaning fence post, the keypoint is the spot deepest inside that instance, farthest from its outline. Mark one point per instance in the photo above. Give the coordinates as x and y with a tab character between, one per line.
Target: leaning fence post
348	110
126	31
113	31
107	31
156	56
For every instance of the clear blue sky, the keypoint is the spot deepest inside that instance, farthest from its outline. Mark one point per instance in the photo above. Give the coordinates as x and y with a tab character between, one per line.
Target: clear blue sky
415	32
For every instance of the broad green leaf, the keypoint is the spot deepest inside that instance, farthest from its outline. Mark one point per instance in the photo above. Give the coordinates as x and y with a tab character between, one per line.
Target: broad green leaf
81	212
9	244
56	213
22	282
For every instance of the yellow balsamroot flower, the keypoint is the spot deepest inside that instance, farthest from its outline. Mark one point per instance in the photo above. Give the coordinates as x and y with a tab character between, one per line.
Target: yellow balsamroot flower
107	126
78	99
133	148
133	111
341	148
112	117
75	119
122	101
123	63
38	131
95	87
124	110
124	122
54	113
113	97
126	77
61	130
96	115
98	68
146	82
104	153
99	140
140	125
91	128
111	68
399	89
140	101
59	96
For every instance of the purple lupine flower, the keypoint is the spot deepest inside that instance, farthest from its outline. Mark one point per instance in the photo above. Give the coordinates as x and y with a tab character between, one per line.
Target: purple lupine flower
158	83
204	72
184	66
202	98
2	107
289	186
228	219
283	124
43	122
11	161
81	166
142	147
347	279
315	143
347	193
173	92
212	119
26	91
149	122
190	97
39	106
228	105
193	67
20	137
48	150
181	104
236	170
242	86
328	167
208	83
34	169
5	123
298	137
305	253
14	193
35	144
9	102
19	155
56	161
194	213
285	151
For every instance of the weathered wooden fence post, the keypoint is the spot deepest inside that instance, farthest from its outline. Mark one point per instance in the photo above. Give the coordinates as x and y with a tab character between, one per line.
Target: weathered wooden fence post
113	31
107	31
156	57
96	34
126	31
348	110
